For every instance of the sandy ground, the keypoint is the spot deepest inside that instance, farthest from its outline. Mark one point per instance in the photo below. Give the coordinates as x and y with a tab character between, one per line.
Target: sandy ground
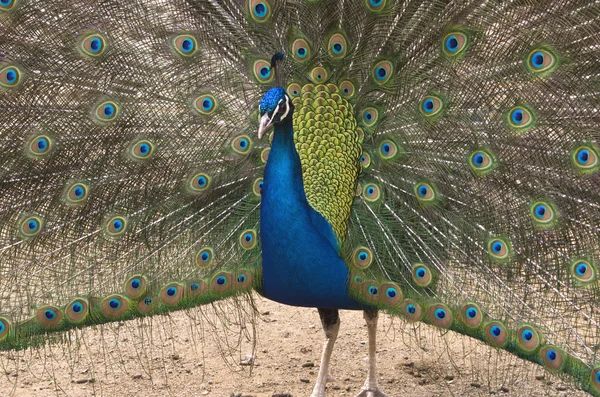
185	354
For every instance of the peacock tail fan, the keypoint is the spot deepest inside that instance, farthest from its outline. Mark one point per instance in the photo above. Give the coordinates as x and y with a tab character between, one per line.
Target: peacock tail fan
460	144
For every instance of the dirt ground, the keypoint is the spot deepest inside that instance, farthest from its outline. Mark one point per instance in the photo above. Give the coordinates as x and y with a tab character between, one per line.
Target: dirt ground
183	354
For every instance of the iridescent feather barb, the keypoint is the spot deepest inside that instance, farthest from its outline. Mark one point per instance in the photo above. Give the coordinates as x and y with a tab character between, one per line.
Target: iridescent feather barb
440	162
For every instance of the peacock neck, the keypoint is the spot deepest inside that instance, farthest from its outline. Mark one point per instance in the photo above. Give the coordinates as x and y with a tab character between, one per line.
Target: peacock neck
284	168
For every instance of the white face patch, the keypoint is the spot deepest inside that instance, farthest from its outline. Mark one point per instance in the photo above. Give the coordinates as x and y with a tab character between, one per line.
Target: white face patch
287	107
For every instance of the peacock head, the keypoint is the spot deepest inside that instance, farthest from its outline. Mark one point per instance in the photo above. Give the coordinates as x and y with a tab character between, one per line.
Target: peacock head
275	107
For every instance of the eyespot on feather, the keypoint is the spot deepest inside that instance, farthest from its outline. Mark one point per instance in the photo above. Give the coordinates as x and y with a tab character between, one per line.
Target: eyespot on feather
595	378
114	306
543	213
262	71
411	310
242	144
106	111
360	134
205	257
136	286
199	182
205	104
5	327
142	150
371	192
195	288
362	257
553	358
31	226
370	117
221	282
264	155
375	5
541	61
257	187
294	90
471	315
171	294
300	50
585	158
382	72
49	316
10	76
499	248
371	291
365	160
39	146
455	43
337	46
390	294
431	105
260	10
146	304
496	333
482	161
77	310
76	193
242	280
356	281
528	339
439	315
319	75
116	226
185	45
7	5
583	272
388	149
93	45
347	89
248	239
520	118
421	275
425	192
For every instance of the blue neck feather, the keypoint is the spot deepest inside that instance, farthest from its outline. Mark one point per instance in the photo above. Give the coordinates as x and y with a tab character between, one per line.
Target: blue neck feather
300	259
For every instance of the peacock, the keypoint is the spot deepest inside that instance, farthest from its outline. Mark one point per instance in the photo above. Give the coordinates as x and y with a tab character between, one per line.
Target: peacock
437	160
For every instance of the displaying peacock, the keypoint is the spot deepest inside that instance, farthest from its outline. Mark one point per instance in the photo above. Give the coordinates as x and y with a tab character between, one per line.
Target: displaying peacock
436	160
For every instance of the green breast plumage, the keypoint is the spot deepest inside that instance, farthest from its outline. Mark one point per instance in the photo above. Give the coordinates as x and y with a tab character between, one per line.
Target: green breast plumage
329	147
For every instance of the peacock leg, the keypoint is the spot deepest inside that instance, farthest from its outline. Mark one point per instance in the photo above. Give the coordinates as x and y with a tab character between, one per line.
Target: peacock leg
371	388
330	318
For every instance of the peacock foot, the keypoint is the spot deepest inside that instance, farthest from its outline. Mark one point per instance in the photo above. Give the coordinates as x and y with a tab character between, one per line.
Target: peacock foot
371	393
319	390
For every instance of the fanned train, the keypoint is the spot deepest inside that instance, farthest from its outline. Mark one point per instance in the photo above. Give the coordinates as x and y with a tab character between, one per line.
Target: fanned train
436	160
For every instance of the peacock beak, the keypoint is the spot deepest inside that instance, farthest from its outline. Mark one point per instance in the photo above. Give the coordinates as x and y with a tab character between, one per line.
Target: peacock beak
264	125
